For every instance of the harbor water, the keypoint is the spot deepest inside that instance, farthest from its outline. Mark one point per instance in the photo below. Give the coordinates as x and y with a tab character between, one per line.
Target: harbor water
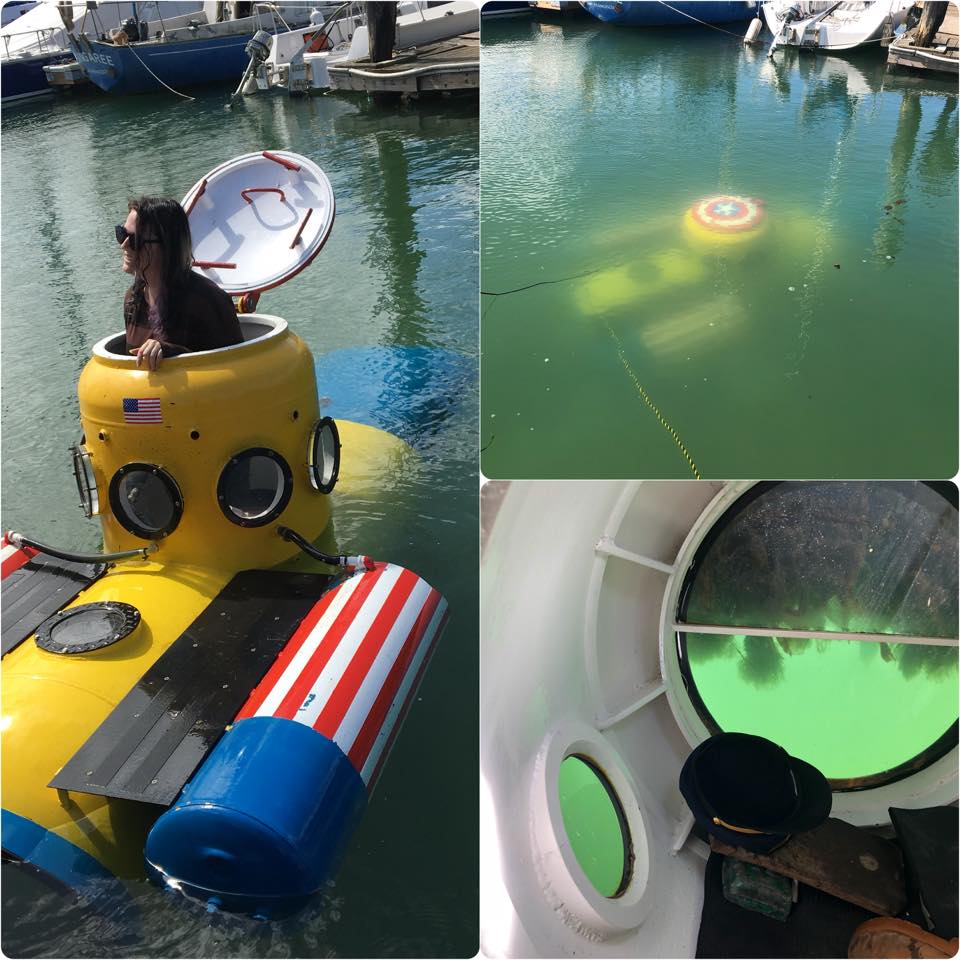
622	339
399	271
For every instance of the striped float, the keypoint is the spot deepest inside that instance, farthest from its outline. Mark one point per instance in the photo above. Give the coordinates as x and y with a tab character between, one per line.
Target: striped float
354	664
13	557
265	820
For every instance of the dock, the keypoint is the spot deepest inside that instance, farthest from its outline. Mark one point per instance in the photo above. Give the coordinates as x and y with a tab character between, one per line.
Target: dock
939	57
447	66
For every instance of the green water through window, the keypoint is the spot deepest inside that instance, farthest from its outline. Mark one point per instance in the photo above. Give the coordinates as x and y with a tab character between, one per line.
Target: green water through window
595	825
858	558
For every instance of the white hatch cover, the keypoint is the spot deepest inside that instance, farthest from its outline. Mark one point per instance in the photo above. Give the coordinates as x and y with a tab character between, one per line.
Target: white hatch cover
258	220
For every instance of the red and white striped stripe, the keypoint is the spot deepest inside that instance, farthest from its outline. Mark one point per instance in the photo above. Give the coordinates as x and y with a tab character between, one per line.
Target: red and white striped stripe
353	665
13	557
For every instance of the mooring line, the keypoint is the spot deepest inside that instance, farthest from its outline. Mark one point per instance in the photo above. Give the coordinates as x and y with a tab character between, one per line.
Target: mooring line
540	283
649	402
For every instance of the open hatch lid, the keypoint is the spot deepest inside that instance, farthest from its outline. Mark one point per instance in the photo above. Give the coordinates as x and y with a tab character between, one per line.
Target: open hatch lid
259	219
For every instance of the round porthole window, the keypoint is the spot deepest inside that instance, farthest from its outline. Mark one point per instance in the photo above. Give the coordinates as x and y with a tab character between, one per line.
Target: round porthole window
323	457
91	626
146	500
86	481
827	617
595	825
254	487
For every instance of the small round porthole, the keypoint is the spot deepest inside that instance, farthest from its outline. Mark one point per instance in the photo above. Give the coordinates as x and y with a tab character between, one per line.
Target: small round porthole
91	626
146	500
86	481
596	825
254	487
323	455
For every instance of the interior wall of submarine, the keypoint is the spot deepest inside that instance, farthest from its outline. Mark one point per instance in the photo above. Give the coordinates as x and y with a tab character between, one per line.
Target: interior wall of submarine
571	652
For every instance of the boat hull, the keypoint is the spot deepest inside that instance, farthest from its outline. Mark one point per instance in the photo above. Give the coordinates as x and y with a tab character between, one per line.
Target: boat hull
505	8
23	78
675	15
128	69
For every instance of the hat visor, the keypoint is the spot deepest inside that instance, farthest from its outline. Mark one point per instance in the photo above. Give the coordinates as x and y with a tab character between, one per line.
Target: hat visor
815	800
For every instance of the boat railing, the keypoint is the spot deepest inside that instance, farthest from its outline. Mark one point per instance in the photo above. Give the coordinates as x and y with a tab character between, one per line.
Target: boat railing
43	42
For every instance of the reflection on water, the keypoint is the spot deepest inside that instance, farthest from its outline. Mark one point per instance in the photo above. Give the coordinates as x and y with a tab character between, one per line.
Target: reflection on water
399	270
774	352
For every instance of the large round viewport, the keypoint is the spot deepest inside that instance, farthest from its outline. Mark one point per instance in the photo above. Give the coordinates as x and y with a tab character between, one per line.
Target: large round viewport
254	487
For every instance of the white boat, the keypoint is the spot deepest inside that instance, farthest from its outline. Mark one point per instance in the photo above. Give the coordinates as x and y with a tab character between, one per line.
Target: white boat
832	26
298	60
601	603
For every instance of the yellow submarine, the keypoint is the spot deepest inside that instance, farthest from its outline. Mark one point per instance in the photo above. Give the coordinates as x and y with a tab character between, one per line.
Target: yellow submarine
211	698
722	225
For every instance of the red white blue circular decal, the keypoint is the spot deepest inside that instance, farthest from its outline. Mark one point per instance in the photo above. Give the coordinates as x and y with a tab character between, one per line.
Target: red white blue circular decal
727	213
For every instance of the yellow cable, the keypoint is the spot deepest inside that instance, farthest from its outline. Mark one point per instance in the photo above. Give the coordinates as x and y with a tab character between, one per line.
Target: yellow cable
656	410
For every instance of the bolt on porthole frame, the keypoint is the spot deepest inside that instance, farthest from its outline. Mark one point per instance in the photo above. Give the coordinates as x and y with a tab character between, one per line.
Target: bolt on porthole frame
121	509
86	480
323	455
692	713
281	496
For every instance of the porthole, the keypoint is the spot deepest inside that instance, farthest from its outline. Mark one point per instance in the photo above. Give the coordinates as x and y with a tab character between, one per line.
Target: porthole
88	627
86	481
254	487
146	500
595	825
323	458
836	567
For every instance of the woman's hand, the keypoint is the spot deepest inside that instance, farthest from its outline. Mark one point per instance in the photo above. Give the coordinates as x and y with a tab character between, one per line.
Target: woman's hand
149	352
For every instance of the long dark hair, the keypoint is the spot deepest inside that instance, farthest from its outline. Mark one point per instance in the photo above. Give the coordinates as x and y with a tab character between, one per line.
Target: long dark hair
163	218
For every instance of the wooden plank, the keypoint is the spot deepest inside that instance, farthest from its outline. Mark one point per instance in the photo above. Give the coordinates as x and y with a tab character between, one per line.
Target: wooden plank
841	860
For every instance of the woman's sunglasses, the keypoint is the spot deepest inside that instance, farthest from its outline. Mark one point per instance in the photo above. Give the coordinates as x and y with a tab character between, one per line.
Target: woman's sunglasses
123	234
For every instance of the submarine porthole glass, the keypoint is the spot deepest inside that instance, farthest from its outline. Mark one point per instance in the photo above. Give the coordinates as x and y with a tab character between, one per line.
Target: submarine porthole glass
323	461
146	500
595	824
90	626
254	487
851	563
86	481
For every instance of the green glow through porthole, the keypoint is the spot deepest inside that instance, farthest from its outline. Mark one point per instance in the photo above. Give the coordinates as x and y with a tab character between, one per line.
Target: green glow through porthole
875	558
595	826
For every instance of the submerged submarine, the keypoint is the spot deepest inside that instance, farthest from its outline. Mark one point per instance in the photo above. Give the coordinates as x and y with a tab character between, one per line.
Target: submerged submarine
212	698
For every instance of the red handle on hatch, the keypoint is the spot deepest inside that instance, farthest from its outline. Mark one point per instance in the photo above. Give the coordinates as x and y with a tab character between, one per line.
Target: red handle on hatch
243	193
303	223
283	161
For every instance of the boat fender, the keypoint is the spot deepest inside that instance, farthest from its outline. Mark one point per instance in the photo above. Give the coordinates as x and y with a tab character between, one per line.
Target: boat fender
753	31
266	818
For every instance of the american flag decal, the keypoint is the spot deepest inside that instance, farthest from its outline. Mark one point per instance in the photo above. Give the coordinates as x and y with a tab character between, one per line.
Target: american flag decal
143	410
353	665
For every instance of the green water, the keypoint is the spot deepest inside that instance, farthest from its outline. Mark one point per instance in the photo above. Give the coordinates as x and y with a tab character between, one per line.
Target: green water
593	825
400	268
826	345
841	557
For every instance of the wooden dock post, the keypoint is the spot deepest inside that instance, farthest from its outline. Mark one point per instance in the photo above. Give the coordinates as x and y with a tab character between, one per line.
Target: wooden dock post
933	13
382	23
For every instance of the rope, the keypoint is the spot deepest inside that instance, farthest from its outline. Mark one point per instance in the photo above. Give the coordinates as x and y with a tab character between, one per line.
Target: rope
155	77
703	22
540	283
649	402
